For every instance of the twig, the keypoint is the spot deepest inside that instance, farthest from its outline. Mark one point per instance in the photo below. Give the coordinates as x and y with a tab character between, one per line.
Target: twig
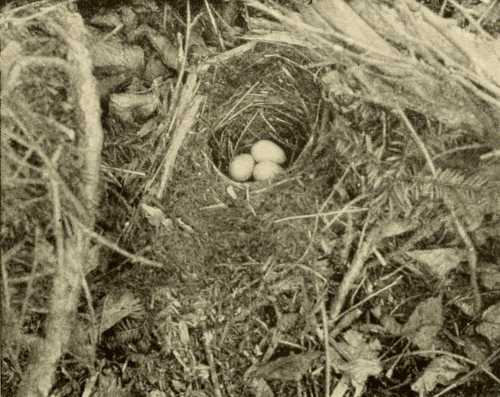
471	251
186	123
26	279
226	56
207	340
471	257
173	110
490	8
311	239
343	211
63	303
364	250
4	259
443	7
89	105
326	339
214	26
184	114
471	20
403	353
50	169
113	246
320	214
37	15
368	298
347	239
71	250
494	153
29	288
473	146
93	318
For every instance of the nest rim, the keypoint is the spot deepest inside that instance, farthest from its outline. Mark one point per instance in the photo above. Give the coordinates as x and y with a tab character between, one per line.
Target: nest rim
277	106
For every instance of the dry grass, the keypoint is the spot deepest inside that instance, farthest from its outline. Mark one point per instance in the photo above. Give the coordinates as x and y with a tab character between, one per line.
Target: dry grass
239	287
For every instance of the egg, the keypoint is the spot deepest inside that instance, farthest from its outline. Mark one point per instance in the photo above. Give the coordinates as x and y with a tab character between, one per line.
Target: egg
266	170
241	167
266	150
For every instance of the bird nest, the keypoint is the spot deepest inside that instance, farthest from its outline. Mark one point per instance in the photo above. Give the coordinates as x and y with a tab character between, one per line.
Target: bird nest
272	97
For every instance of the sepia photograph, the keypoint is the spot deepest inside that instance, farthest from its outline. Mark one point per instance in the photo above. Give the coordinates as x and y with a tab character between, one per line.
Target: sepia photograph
250	198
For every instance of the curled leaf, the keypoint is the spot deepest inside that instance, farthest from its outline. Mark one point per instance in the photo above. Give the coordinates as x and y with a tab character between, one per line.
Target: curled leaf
291	367
490	323
440	371
424	323
439	261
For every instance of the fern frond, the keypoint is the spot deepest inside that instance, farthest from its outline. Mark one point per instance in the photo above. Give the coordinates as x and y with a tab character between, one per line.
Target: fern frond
449	183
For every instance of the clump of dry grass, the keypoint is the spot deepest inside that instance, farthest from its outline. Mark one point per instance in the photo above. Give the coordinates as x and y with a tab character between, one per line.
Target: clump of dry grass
51	143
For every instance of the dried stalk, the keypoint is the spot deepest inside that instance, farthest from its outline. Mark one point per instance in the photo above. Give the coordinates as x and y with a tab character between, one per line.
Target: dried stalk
72	249
395	54
363	252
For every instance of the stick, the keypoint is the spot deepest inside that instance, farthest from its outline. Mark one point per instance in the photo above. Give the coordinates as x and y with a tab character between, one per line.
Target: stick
364	250
71	250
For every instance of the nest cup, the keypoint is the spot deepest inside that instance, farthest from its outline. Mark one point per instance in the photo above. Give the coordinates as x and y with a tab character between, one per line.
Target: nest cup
275	100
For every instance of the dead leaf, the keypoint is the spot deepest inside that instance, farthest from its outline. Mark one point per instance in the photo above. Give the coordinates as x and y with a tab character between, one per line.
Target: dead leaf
466	306
476	350
260	388
357	359
424	323
115	56
117	307
396	227
131	107
163	46
282	37
359	370
110	19
341	388
231	192
490	323
156	217
155	68
439	261
440	371
291	367
489	275
357	345
391	325
148	127
109	84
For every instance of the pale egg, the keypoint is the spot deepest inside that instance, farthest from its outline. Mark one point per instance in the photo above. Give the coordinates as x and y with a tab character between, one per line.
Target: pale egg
266	150
266	170
241	167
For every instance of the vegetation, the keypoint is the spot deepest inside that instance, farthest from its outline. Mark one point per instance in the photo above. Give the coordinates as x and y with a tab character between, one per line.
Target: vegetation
133	265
